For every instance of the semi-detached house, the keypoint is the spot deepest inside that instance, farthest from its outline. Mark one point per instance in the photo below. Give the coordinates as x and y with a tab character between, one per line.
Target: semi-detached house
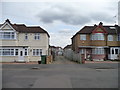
98	42
21	43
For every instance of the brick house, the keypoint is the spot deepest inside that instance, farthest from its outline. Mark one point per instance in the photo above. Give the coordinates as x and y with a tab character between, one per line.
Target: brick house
22	43
98	42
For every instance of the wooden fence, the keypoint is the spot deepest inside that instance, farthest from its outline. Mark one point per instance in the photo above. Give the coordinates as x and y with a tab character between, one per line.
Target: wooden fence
70	55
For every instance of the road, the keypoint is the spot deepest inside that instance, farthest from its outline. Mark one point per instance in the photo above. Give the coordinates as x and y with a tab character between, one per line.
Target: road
90	75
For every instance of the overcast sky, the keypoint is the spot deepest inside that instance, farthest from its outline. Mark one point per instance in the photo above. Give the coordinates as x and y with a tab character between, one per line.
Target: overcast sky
62	19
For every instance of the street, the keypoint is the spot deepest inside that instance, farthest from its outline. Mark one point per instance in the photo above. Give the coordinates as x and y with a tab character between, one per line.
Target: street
61	74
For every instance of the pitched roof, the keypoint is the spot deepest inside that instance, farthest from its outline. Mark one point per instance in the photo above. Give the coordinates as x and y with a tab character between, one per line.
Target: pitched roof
22	28
1	25
68	46
88	29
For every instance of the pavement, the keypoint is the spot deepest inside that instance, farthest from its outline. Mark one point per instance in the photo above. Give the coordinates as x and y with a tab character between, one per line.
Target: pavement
60	75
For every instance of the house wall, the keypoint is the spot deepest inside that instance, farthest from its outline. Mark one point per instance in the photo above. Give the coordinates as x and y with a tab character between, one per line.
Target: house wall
43	44
98	43
77	42
12	58
114	42
98	57
84	42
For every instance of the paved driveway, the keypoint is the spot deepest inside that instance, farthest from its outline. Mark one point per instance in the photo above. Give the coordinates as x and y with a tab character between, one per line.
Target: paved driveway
90	75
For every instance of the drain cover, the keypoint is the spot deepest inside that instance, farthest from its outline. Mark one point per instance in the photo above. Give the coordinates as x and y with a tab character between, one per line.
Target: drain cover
104	68
35	68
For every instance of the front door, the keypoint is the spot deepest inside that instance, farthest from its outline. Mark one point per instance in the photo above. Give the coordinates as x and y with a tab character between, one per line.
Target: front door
21	55
83	53
114	52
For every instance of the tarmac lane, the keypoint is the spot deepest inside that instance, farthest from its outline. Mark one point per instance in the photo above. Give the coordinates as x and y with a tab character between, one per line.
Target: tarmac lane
90	75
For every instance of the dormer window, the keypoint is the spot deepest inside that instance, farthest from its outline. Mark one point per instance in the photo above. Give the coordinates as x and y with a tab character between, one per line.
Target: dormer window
97	36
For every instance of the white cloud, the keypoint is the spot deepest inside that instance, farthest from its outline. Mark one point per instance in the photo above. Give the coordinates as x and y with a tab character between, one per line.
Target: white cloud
63	18
78	13
60	39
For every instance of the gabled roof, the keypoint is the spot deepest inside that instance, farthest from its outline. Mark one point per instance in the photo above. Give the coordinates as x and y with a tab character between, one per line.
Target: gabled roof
1	25
109	29
22	28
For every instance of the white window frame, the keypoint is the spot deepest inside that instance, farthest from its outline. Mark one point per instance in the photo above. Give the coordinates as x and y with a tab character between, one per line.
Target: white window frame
82	51
118	37
97	36
110	37
113	50
98	51
3	34
10	51
82	37
26	52
16	51
26	36
37	36
37	52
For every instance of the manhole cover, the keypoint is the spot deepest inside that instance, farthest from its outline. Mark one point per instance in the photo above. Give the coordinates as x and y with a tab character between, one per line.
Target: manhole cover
103	68
35	68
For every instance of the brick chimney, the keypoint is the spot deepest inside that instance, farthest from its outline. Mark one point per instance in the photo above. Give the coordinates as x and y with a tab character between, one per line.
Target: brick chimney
101	23
8	20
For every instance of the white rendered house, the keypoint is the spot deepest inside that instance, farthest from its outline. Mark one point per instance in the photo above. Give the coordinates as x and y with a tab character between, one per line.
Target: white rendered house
21	43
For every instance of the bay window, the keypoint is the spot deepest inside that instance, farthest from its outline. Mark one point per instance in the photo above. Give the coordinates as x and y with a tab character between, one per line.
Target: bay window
98	51
7	35
97	36
6	52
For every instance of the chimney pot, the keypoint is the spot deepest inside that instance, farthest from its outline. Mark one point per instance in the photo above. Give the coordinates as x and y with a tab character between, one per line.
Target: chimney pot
101	23
7	20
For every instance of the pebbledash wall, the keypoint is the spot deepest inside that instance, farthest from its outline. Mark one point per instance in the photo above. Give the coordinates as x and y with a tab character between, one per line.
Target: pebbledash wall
21	44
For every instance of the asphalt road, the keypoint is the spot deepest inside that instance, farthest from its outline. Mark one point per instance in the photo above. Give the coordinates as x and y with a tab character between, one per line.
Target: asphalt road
90	75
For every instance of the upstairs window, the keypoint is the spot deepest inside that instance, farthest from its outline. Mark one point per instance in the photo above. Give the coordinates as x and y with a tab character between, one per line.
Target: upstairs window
26	36
7	35
110	37
118	37
82	37
97	36
37	36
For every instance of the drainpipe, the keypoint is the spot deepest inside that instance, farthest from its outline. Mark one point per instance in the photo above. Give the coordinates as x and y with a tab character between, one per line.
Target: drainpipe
106	35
